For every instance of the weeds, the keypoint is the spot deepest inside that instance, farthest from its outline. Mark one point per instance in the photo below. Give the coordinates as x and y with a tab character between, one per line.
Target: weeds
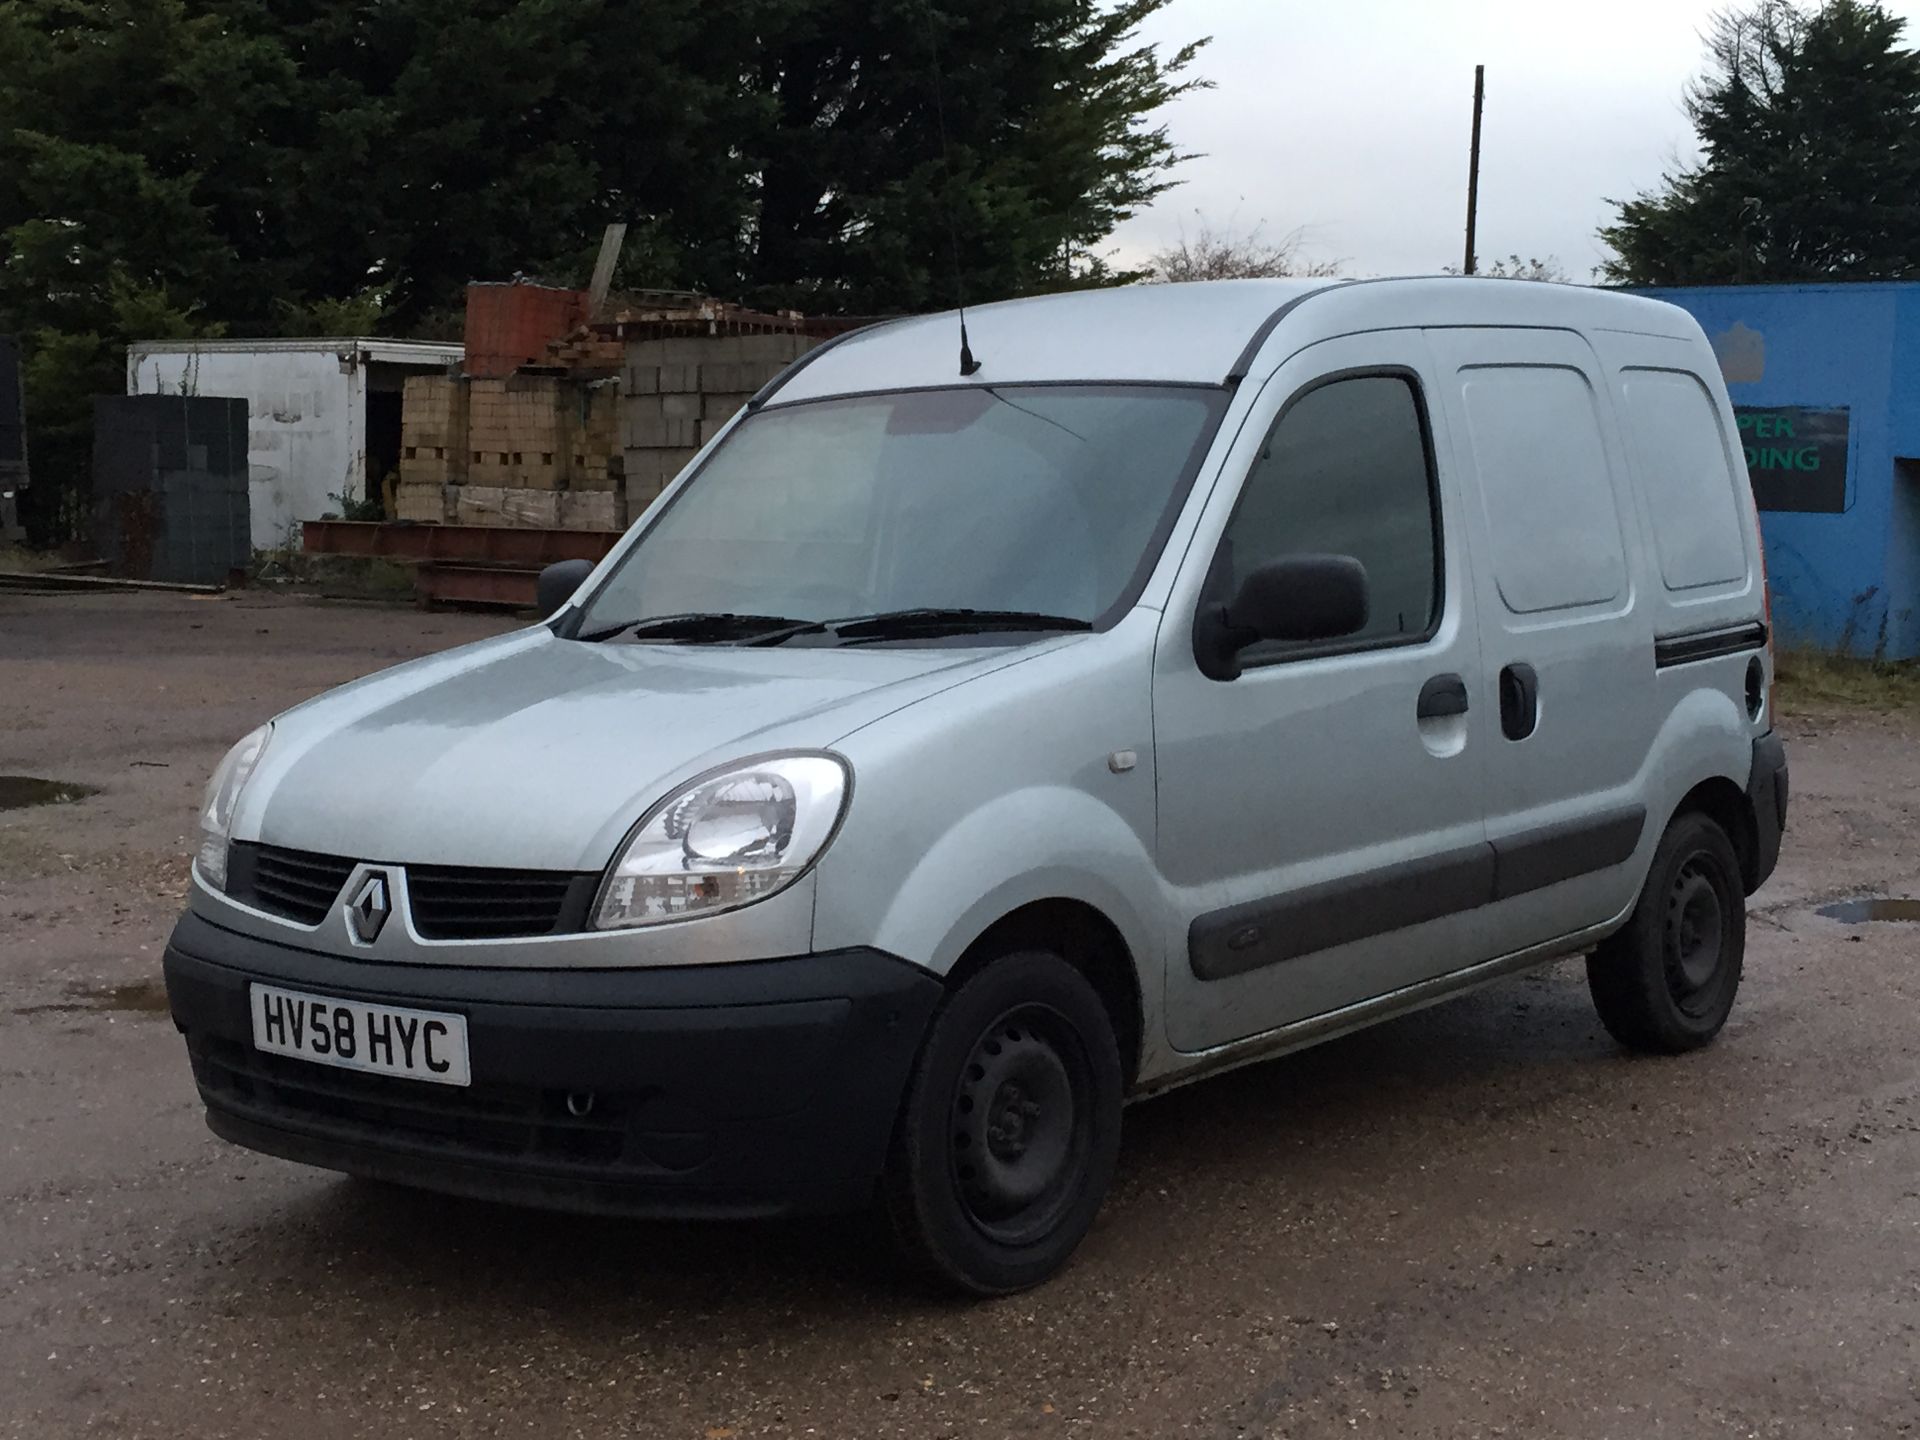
1808	679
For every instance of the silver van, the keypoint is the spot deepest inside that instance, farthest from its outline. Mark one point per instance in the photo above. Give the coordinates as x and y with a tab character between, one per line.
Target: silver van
964	747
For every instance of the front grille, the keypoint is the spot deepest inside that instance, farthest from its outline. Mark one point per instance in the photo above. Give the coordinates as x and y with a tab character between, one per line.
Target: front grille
449	902
295	884
498	1121
474	904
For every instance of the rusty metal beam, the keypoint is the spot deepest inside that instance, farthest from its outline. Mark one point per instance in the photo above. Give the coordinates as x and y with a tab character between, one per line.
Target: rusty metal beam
476	584
480	544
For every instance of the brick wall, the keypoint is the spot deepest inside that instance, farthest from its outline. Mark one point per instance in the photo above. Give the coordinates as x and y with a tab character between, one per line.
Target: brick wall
513	324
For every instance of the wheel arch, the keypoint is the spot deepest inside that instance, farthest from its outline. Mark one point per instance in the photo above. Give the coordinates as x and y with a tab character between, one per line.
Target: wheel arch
1725	803
1086	939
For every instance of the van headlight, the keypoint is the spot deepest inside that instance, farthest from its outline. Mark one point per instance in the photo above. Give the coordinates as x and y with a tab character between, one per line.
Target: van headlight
216	808
725	840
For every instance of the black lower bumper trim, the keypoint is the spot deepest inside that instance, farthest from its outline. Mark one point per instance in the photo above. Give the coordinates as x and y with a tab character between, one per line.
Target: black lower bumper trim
759	1088
1767	799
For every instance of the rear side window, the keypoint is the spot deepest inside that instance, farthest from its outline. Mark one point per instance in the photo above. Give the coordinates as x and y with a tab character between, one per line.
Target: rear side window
1345	471
1687	476
1543	480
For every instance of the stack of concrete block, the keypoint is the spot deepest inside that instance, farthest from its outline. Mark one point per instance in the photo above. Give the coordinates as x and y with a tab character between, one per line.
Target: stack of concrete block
433	429
517	433
680	390
592	510
433	445
424	501
598	463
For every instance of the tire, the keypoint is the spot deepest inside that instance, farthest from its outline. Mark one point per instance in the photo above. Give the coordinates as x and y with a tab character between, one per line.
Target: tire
1010	1129
1665	984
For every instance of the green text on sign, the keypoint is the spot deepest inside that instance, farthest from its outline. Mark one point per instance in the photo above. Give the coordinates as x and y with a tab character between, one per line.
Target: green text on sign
1796	456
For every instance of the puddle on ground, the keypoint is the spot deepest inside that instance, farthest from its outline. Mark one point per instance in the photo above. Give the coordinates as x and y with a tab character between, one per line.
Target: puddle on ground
1862	912
17	792
142	997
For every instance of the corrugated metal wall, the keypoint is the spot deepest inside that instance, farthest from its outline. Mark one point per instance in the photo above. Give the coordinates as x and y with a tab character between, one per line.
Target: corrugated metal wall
13	438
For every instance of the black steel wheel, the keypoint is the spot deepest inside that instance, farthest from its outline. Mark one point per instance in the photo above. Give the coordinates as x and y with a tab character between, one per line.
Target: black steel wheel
1010	1129
1667	981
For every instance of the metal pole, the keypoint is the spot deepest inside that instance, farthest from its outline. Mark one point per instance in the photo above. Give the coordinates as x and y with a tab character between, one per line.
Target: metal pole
1473	166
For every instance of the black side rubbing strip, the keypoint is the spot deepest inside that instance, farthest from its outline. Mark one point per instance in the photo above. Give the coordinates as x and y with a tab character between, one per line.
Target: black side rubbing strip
1708	644
1536	859
1265	932
1248	937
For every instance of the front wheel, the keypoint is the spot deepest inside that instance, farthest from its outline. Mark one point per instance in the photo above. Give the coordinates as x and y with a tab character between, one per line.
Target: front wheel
1010	1130
1666	982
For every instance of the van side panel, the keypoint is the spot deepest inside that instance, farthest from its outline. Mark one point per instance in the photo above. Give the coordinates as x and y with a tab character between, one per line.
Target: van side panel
1566	639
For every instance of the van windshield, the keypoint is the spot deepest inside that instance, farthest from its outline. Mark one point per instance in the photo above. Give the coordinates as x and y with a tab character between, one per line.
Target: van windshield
1038	499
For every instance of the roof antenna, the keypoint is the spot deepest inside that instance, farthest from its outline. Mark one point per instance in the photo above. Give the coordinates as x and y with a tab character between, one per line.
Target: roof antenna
968	365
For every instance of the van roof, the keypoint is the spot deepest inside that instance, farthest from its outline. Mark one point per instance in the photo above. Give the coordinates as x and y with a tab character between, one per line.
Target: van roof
1194	334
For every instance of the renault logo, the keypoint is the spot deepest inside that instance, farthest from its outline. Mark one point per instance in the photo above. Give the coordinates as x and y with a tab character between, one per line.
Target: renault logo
367	911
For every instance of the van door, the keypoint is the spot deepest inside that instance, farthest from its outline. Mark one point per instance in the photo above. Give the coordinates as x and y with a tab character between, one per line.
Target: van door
1320	823
1566	642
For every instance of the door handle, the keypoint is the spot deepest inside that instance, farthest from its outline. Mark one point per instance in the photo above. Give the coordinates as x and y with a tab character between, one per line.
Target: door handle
1441	696
1519	701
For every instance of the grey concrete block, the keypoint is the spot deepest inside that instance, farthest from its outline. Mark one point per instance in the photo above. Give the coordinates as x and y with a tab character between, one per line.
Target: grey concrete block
672	433
738	376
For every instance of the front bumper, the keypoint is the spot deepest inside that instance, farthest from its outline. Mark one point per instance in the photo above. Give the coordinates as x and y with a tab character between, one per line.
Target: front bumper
758	1088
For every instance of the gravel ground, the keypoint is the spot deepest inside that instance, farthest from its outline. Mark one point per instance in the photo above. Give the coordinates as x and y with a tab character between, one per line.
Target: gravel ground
1481	1220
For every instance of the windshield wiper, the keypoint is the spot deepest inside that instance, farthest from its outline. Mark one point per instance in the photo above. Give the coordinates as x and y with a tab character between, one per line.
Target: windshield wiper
710	626
937	620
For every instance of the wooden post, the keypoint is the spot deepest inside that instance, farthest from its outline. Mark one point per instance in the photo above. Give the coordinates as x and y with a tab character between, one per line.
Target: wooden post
610	244
1473	166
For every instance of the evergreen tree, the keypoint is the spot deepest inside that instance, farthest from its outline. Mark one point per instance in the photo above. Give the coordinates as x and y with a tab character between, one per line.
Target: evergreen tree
258	167
1809	124
1048	143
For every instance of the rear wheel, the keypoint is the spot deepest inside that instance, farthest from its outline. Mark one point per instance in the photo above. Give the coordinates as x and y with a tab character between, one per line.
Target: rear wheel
1666	982
1010	1130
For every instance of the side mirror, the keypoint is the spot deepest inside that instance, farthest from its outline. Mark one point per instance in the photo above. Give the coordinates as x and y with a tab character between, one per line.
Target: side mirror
1300	598
558	582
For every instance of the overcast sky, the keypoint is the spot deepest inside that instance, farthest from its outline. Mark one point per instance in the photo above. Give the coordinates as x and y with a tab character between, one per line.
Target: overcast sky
1351	119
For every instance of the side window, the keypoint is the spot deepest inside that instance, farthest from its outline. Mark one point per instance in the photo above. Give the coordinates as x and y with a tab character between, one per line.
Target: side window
1544	482
1346	471
1688	478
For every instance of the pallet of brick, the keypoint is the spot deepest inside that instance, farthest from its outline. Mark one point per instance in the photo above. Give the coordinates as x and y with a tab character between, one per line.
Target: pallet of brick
420	465
516	435
592	510
479	505
489	432
422	501
593	471
433	410
433	429
598	462
531	509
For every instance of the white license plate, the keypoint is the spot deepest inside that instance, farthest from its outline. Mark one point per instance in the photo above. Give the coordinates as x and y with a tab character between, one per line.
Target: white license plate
378	1039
